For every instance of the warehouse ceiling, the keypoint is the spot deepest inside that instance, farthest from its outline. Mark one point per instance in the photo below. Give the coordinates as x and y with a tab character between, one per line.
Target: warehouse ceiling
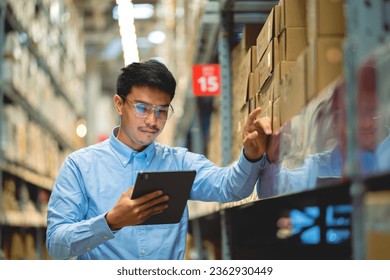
103	48
103	42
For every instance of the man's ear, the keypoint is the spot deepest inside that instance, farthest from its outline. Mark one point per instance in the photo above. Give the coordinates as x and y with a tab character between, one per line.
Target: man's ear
118	103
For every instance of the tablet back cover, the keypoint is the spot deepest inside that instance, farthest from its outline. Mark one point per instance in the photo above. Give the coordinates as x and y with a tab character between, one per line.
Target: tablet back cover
176	184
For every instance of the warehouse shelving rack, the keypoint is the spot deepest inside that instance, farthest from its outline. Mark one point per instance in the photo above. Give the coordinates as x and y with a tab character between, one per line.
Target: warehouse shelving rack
29	180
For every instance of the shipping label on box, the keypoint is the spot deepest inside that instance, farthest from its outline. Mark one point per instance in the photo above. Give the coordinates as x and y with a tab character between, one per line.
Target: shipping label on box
265	36
292	13
292	41
319	23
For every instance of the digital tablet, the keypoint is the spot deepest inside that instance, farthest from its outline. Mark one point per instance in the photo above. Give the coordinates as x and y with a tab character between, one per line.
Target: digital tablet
176	184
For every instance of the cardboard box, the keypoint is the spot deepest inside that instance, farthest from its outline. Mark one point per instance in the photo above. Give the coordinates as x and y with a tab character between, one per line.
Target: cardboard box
251	105
243	75
377	224
285	67
293	93
292	41
244	112
319	23
324	63
277	19
256	78
253	58
265	36
237	55
266	63
281	69
292	13
266	96
251	86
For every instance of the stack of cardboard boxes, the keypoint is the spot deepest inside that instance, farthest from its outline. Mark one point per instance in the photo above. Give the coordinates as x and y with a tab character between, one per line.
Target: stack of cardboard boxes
296	54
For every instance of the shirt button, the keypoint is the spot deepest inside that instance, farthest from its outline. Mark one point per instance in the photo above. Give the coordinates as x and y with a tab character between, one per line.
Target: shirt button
105	237
142	252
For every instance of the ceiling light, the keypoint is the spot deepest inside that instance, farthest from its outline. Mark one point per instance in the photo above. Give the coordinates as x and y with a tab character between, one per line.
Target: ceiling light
81	129
156	37
143	11
127	31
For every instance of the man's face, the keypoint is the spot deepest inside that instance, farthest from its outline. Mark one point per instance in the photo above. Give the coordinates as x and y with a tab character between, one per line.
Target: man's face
367	125
139	132
366	118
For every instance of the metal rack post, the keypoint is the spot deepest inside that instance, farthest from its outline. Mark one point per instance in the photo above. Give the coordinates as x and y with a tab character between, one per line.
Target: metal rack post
3	9
224	61
226	123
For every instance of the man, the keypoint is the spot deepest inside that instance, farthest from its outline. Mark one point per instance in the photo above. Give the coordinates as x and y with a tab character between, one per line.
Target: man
91	214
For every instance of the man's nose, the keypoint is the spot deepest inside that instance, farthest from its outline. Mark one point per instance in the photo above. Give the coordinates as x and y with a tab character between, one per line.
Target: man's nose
151	119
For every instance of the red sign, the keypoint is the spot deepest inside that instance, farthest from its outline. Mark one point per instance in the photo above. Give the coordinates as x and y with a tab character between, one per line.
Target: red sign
206	79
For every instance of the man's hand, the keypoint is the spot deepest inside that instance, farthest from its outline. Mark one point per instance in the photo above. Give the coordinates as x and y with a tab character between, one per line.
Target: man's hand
255	135
129	211
273	147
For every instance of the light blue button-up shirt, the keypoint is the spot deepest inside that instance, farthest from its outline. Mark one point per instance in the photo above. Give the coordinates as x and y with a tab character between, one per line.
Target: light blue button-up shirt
92	179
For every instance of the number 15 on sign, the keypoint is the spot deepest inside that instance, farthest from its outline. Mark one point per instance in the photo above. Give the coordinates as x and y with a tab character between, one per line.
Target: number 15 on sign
206	79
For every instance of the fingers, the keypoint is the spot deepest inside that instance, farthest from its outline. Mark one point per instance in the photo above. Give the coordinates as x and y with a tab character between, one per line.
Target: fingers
260	124
156	201
150	208
255	134
154	210
264	124
149	196
149	205
254	114
251	137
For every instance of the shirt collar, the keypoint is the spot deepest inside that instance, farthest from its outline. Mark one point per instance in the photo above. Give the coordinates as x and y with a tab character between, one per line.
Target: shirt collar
126	154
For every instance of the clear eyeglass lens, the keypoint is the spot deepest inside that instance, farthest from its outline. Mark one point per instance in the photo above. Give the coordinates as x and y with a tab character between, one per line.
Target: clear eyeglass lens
144	110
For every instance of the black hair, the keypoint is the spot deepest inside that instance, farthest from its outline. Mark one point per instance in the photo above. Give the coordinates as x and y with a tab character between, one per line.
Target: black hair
150	73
